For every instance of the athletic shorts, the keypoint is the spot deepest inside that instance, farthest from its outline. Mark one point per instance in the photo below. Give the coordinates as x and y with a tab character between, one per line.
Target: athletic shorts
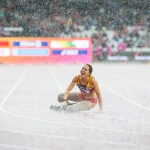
94	100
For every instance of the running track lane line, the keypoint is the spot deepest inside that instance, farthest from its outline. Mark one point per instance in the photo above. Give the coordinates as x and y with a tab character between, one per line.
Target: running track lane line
131	101
21	147
5	99
79	139
74	125
52	74
126	79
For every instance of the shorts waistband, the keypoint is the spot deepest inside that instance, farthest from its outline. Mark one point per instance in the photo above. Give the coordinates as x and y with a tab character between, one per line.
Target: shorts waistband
94	100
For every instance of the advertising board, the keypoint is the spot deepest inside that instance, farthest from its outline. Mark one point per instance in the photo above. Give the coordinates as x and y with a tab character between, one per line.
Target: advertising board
45	50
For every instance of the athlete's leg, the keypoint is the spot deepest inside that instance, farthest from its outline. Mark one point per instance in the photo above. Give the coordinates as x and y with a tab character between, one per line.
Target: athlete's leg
81	106
73	96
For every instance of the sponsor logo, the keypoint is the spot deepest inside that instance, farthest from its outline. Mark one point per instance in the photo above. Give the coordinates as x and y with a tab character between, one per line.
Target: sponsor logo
4	51
114	58
70	44
4	44
30	52
15	29
69	52
30	44
142	57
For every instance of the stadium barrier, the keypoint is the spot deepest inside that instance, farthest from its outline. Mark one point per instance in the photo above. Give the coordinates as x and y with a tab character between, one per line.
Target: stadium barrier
62	50
45	50
125	56
129	54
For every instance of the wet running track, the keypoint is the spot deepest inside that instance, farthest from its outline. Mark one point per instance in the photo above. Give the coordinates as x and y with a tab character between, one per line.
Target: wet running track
27	91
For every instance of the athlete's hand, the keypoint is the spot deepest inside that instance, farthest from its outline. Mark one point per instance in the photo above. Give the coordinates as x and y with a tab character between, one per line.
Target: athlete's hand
101	111
64	104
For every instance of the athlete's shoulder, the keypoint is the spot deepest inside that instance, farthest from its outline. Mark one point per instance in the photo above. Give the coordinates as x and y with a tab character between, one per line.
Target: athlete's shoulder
93	80
92	77
76	78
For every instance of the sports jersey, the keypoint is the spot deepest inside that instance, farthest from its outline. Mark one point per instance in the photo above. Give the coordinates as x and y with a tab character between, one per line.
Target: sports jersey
82	88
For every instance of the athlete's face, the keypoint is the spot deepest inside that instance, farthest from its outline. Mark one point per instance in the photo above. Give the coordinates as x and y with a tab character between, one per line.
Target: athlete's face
85	71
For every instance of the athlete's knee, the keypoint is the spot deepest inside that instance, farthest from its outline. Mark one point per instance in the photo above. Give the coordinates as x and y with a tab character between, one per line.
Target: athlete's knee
60	97
81	106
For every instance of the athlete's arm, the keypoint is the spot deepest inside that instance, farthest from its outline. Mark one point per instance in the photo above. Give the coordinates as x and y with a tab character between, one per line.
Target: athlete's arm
70	87
98	93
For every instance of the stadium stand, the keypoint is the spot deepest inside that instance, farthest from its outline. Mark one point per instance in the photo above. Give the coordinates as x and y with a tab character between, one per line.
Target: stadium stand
110	24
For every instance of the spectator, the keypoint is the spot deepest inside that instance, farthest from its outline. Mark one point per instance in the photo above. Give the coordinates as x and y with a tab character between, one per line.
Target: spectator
128	22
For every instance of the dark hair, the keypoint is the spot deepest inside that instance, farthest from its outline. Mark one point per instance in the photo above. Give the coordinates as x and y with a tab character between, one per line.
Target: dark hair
90	68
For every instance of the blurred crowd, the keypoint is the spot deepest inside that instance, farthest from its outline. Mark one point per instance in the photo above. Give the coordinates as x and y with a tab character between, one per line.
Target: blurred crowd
107	22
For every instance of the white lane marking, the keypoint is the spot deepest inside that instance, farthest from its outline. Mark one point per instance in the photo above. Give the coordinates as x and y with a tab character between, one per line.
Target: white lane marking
76	139
33	105
126	79
10	92
22	147
129	100
52	74
89	113
72	125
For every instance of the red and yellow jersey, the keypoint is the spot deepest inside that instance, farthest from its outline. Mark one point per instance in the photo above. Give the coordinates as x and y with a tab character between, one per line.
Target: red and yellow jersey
87	88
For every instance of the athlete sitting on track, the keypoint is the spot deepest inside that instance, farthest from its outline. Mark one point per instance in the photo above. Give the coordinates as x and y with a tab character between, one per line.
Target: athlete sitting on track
88	96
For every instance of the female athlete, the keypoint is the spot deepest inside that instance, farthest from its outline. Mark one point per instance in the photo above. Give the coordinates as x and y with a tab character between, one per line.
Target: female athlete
84	100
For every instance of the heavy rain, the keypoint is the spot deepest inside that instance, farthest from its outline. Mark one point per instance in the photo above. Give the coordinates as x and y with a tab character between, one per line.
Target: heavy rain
74	74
